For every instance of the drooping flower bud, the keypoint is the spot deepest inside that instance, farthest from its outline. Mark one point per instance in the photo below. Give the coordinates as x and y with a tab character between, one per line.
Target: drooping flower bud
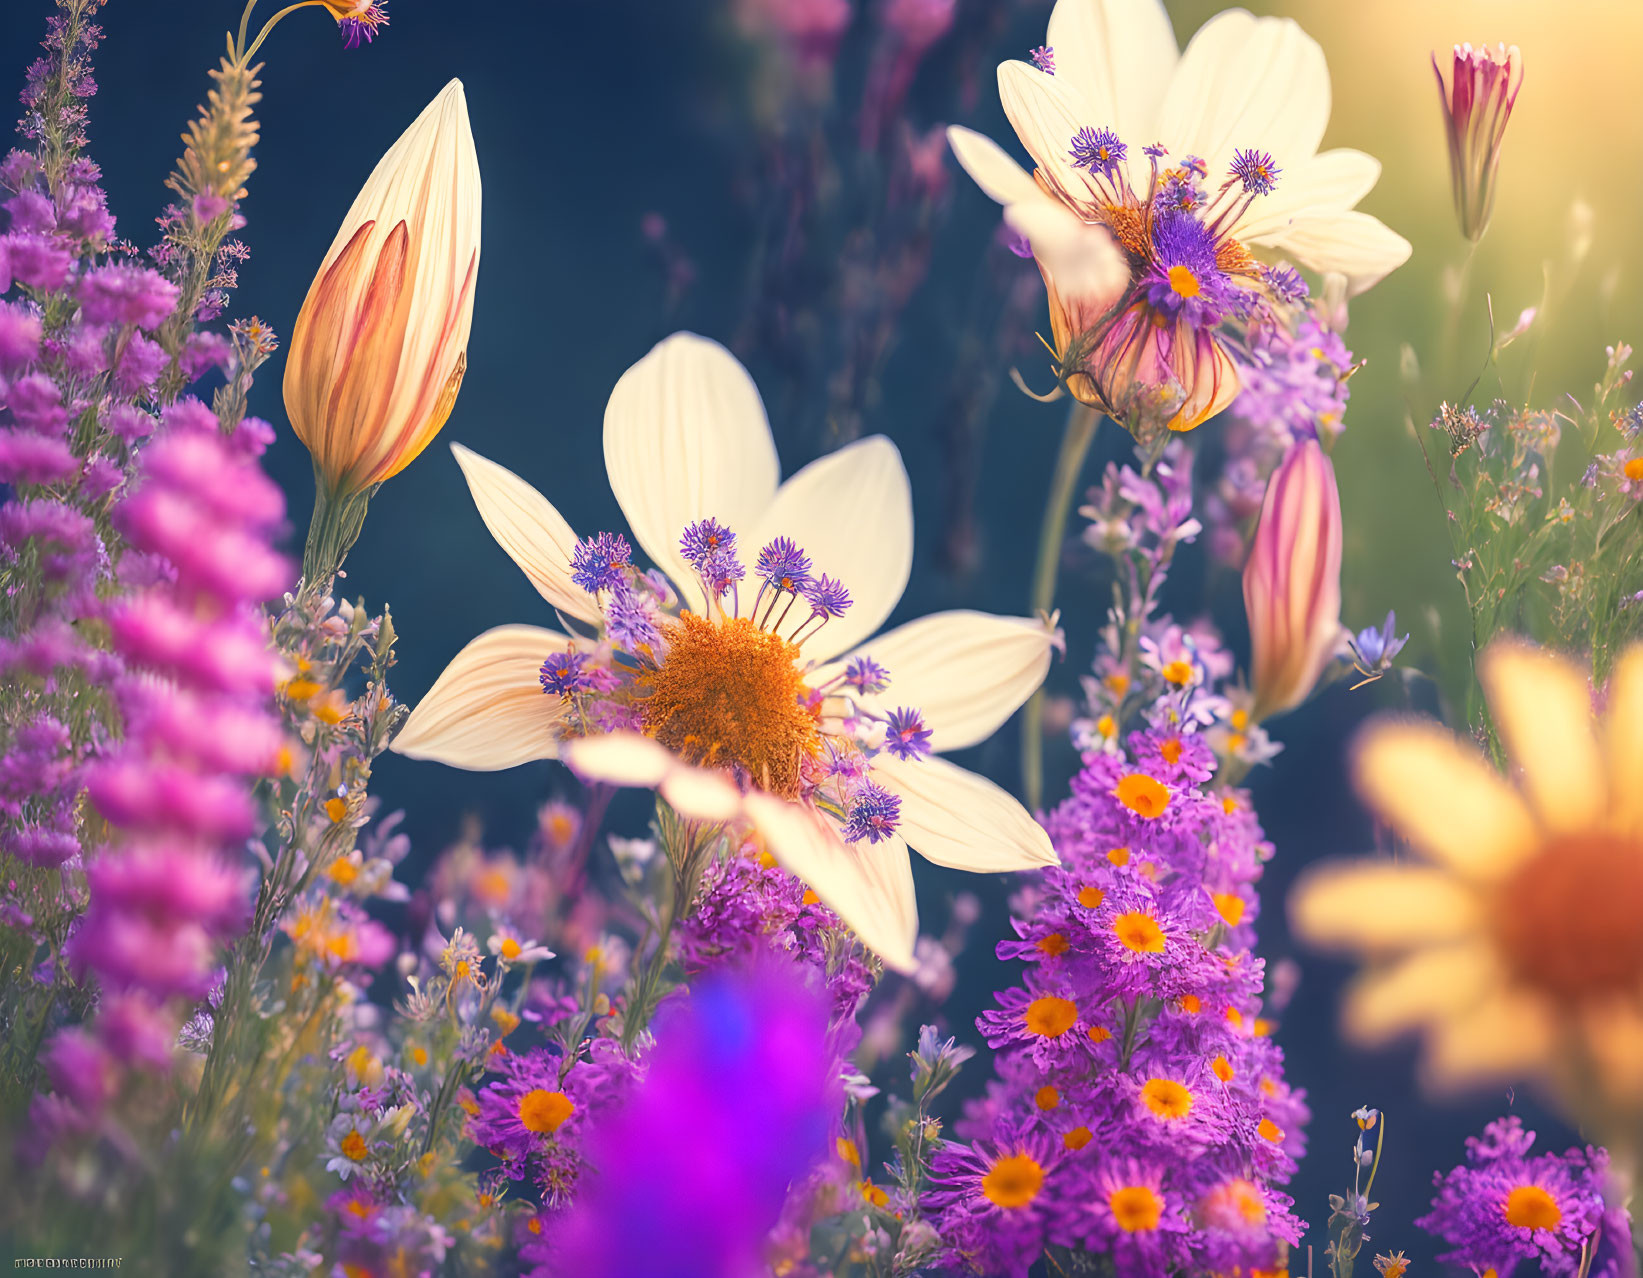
1477	102
1292	580
379	349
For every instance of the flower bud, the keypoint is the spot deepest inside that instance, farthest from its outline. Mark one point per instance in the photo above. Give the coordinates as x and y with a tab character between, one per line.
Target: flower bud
1477	102
380	347
1292	580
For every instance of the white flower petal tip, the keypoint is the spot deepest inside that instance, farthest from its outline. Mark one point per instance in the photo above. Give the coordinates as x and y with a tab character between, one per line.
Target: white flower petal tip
620	759
526	525
487	711
992	168
686	438
852	513
955	818
869	885
702	795
965	672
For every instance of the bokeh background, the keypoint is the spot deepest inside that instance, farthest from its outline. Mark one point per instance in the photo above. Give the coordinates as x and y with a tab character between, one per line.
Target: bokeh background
593	117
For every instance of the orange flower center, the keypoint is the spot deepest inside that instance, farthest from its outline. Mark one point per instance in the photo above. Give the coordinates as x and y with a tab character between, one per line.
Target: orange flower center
1136	1208
1634	468
1531	1207
1090	897
543	1111
1050	1017
1054	944
1013	1181
1166	1098
354	1148
1142	795
1566	921
1140	932
1047	1097
1078	1138
728	695
1230	906
1183	281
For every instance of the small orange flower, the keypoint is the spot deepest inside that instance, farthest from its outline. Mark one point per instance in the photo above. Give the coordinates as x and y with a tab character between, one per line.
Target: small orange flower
1143	795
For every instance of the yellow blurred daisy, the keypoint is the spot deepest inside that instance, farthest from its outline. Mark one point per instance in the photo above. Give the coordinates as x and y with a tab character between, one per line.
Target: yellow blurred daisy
1514	937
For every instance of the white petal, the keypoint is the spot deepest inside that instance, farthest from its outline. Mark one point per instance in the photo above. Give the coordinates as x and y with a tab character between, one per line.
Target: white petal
1119	55
620	758
704	795
966	672
852	513
1353	244
869	885
686	438
1047	112
955	818
1251	82
1328	183
992	168
1089	269
488	711
526	525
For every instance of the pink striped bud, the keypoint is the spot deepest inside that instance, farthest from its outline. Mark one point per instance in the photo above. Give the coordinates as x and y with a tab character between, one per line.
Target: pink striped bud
1292	580
1477	102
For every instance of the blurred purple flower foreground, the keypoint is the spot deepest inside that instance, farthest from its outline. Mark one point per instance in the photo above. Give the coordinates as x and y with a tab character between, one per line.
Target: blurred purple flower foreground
736	1104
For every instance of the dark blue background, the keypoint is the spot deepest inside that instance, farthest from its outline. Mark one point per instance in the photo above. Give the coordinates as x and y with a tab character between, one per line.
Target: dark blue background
588	116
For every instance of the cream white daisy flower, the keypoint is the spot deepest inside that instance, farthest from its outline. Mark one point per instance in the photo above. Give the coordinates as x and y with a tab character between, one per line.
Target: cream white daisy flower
1159	174
757	700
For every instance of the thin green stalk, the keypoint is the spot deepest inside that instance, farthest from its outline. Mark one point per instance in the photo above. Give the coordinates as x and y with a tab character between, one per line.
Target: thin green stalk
1075	446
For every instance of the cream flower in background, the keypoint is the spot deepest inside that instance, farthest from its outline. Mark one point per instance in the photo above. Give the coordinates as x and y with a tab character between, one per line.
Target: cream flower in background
716	693
1513	941
1157	174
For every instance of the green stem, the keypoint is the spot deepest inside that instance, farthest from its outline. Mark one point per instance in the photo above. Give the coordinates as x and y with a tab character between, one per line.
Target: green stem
1075	446
338	519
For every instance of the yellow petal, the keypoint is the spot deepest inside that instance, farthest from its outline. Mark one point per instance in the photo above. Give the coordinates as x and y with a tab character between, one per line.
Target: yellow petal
1426	987
526	525
852	513
1442	795
1542	705
1380	907
958	819
869	885
966	672
488	711
1506	1035
620	758
686	438
1623	740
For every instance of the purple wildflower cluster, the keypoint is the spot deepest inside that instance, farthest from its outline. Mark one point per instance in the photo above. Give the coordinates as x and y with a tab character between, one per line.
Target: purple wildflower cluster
1140	1109
1506	1205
